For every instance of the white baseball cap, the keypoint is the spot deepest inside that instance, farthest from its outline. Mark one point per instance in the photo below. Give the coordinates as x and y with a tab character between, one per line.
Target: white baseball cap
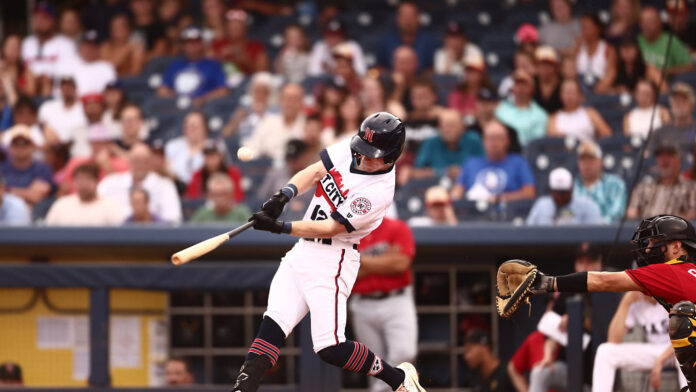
560	179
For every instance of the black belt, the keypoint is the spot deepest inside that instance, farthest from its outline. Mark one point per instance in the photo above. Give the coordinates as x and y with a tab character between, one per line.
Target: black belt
325	241
382	294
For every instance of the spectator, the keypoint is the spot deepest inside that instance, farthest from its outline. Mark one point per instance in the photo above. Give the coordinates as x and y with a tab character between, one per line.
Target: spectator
520	112
185	153
273	132
682	129
568	69
525	358
637	121
139	202
678	12
523	60
45	52
11	375
114	101
321	60
213	12
624	20
463	97
164	200
70	25
382	306
343	72
192	74
13	210
456	48
444	154
635	309
350	115
312	136
563	207
562	31
595	59
486	104
247	116
407	22
147	29
547	84
16	76
479	357
85	207
25	177
293	59
223	207
438	209
64	114
91	74
527	38
653	45
607	190
177	372
124	53
158	161
215	161
404	74
237	53
629	70
575	120
668	192
25	113
498	175
329	97
56	157
93	108
375	99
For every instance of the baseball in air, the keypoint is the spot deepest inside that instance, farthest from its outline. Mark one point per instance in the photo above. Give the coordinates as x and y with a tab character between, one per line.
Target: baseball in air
245	154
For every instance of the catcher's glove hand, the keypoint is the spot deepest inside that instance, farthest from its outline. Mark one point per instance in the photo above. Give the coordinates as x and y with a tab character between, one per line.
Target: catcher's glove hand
516	281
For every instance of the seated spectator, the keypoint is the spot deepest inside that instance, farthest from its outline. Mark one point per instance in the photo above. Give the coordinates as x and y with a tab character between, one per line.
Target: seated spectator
547	84
421	121
273	132
343	72
25	113
293	58
64	114
499	175
139	202
11	375
93	108
146	28
444	154
683	126
213	14
164	199
520	112
177	372
595	59
70	25
624	20
312	136
375	98
247	116
525	358
328	97
527	38
17	77
133	127
479	357
523	60
91	74
185	153
575	120
463	97
223	207
214	161
235	50
486	104
653	45
85	207
13	210
409	33
630	68
350	116
607	190
192	74
562	31
25	177
125	54
635	310
668	192
637	121
404	74
563	207
456	48
321	60
114	101
679	23
438	209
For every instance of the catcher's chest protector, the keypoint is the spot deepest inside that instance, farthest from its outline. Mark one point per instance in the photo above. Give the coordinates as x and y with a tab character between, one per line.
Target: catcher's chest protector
682	332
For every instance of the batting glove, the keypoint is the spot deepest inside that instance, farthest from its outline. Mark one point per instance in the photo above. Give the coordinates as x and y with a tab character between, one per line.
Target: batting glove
262	221
274	206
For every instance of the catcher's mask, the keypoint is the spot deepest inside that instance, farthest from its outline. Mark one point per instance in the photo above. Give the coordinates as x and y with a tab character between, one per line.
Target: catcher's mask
653	234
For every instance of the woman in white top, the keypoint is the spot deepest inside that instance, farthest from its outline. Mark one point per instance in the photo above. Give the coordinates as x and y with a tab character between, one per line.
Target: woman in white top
595	59
637	121
574	120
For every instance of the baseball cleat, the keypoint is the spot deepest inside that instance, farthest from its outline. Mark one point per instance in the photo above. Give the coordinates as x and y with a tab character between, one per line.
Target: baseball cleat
410	380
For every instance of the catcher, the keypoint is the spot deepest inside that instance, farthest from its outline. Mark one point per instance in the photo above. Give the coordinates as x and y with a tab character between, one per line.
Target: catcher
665	249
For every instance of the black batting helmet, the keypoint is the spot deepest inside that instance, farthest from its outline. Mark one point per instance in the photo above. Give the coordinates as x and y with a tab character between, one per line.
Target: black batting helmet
381	135
653	234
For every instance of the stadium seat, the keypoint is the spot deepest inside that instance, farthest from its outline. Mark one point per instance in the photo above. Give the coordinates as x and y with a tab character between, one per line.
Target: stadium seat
546	145
157	66
516	211
467	210
156	106
619	144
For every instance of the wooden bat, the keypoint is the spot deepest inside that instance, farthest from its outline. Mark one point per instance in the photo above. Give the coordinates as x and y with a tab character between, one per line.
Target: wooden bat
197	250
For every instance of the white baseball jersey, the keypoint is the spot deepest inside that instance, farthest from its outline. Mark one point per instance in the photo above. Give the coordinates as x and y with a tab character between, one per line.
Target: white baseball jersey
652	317
357	199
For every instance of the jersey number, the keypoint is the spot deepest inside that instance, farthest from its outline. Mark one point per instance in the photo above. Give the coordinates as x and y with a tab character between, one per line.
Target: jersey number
318	214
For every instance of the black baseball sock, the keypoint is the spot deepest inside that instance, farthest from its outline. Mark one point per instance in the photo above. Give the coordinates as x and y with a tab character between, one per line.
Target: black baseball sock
357	358
268	341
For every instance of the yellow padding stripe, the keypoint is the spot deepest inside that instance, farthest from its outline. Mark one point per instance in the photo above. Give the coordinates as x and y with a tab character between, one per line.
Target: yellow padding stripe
679	343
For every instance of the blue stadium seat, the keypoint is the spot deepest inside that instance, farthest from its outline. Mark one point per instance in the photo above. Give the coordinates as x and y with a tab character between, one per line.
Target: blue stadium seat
545	145
156	106
618	144
157	66
467	210
517	210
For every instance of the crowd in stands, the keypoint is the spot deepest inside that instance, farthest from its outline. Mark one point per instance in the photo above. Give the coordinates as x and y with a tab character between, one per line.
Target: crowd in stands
144	111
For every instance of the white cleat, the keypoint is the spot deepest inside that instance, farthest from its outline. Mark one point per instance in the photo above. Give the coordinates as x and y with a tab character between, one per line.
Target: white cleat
411	381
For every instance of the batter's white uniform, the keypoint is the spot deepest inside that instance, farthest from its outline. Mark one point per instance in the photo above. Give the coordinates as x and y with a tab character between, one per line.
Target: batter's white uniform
634	356
318	275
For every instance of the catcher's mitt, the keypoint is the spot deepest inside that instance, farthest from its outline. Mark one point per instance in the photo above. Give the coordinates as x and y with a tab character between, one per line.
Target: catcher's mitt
514	282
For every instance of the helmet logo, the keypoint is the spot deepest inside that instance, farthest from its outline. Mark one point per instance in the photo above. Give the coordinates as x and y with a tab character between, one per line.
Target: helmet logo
369	133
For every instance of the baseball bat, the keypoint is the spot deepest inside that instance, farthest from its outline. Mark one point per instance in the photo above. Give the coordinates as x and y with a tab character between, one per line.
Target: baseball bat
197	250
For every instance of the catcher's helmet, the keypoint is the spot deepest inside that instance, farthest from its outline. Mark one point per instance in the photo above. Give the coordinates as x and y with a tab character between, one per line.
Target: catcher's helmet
381	135
661	229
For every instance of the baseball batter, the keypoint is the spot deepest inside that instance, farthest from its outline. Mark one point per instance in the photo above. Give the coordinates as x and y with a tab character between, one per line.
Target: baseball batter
354	186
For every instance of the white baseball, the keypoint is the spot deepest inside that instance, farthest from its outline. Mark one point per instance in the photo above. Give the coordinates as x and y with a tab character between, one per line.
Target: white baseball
245	154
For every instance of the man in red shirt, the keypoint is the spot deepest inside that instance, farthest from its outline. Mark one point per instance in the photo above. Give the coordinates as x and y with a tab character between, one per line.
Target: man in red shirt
382	306
666	252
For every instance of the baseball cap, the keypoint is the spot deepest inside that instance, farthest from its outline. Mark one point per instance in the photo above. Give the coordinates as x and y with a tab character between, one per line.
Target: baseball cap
665	146
334	26
437	195
99	133
212	145
478	336
19	131
191	33
681	88
454	28
487	94
294	149
546	53
90	36
236	14
560	179
44	7
10	371
589	148
589	250
475	61
521	75
157	146
343	50
67	78
91	97
527	34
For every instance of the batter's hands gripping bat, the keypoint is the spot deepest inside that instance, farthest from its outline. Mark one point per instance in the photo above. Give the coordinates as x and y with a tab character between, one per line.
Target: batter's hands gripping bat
197	250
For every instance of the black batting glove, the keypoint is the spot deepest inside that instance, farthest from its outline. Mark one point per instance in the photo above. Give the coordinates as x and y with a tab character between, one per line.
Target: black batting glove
542	284
262	221
273	207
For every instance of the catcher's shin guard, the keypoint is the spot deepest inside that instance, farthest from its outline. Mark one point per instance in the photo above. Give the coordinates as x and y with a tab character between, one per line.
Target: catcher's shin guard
682	332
